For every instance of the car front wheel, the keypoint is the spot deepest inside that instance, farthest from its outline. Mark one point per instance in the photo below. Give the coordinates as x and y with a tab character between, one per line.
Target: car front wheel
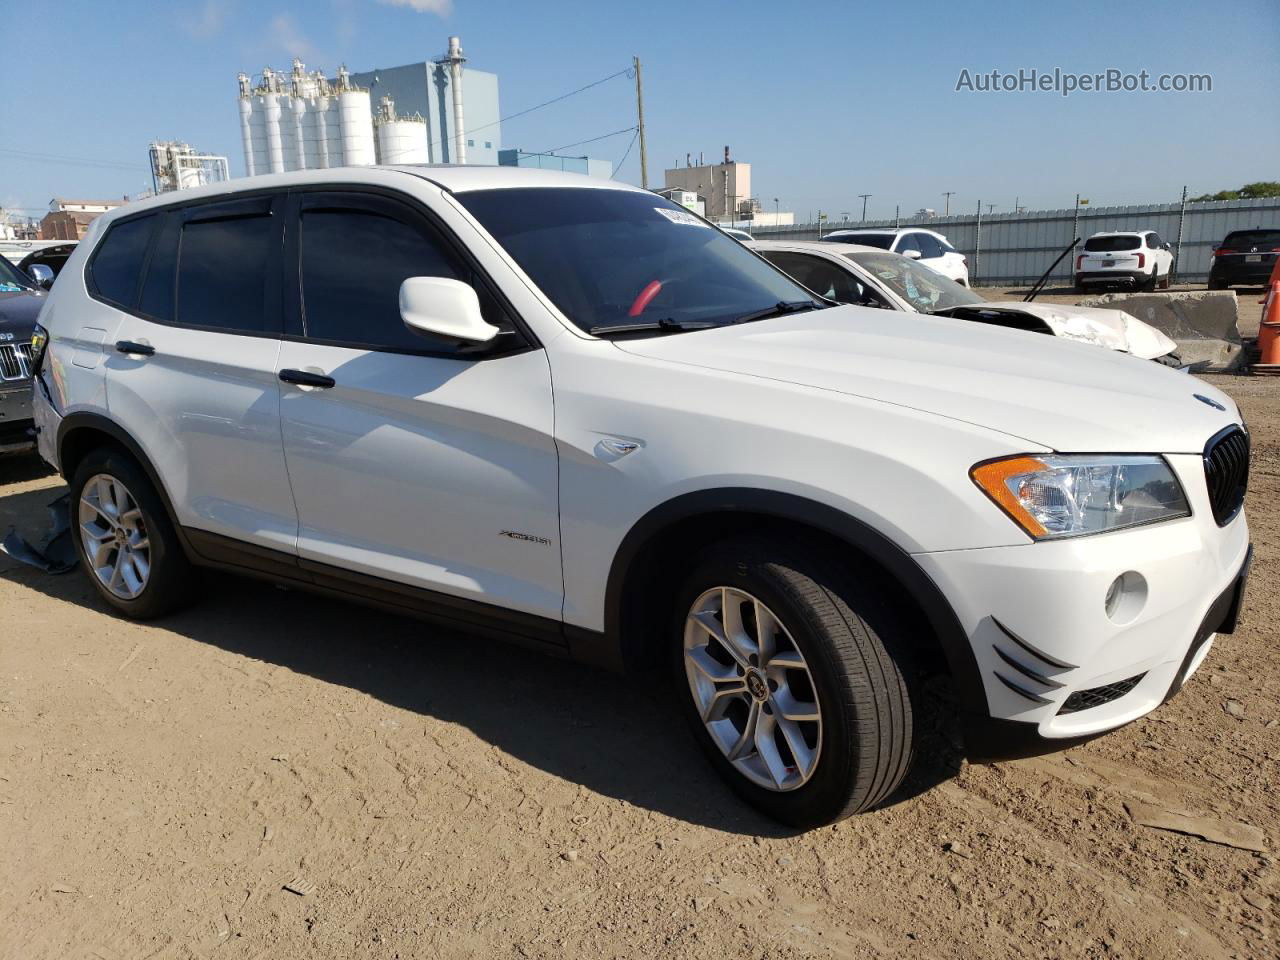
791	672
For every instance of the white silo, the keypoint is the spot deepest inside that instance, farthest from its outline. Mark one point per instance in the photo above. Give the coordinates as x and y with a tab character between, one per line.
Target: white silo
356	118
271	110
246	124
400	139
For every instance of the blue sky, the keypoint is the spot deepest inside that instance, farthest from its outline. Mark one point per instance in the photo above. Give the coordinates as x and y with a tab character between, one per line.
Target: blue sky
827	100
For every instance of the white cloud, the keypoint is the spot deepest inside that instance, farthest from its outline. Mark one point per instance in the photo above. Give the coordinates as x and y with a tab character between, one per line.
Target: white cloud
441	8
206	20
286	34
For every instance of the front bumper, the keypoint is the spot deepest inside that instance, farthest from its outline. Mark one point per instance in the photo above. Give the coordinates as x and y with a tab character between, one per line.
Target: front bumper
1051	659
15	417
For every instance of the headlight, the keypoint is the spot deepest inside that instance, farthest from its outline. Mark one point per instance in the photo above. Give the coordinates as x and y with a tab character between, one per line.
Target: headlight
39	343
1068	496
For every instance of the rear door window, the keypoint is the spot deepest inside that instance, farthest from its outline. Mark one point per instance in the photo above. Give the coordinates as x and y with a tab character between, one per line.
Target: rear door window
227	267
117	263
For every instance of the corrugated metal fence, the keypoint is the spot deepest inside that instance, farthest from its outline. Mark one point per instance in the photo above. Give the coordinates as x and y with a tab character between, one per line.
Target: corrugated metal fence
1018	247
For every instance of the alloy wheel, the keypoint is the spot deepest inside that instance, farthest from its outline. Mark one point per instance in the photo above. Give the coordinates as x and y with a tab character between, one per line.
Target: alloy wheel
114	536
752	688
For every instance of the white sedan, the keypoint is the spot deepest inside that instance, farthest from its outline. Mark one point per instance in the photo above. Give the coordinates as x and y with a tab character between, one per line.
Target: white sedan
851	273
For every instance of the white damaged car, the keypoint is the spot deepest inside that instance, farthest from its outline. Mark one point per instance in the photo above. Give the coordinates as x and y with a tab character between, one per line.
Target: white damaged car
868	276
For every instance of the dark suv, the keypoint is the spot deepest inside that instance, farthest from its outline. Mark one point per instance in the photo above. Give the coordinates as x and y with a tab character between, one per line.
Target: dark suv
1245	257
20	302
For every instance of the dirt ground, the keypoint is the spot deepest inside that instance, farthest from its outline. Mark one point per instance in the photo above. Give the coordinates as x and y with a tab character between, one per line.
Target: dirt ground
273	775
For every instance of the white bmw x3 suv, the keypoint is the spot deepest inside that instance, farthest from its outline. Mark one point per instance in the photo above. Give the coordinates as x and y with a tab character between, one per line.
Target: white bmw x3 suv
572	413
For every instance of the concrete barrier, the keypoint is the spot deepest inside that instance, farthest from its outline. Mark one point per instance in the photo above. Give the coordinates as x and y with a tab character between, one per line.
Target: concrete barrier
1205	323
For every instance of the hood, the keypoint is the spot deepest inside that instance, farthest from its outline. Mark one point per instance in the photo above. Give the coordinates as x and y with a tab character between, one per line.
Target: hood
1113	329
18	312
1070	397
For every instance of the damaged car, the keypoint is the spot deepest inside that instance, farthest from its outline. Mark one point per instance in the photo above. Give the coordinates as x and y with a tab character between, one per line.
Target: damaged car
20	303
868	276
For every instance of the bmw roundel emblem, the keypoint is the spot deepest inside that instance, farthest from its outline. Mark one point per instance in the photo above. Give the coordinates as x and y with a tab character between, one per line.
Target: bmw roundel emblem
1213	403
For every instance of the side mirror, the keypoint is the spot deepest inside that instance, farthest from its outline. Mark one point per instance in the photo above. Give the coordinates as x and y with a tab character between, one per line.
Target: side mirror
41	274
439	307
911	254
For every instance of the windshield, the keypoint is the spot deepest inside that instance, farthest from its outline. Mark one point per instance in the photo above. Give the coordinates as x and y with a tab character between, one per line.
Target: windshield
921	287
1110	244
882	240
12	279
621	257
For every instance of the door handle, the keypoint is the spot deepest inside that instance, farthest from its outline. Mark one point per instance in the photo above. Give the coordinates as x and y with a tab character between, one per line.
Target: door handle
304	379
135	349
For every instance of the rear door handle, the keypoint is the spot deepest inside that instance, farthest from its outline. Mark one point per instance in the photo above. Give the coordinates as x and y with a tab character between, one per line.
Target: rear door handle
302	378
132	348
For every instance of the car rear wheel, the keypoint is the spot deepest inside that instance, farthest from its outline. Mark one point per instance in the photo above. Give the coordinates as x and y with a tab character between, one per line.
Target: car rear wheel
124	538
792	677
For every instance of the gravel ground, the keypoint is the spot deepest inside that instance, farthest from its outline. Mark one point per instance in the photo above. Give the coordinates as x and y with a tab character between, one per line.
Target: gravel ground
273	775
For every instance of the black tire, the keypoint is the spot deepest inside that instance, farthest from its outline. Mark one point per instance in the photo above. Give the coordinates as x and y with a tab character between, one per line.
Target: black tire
171	582
1216	284
1152	282
853	640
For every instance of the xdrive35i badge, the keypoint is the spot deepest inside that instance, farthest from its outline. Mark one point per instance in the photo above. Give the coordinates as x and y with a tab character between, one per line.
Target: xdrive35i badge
1213	403
526	537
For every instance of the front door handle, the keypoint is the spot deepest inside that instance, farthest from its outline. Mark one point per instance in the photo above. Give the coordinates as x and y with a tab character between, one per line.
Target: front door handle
134	349
303	378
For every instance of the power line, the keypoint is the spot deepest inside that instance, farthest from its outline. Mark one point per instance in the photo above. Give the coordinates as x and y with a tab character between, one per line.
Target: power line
604	136
619	164
546	103
81	161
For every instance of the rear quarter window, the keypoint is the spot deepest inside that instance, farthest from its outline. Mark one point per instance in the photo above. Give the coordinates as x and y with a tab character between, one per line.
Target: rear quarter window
117	263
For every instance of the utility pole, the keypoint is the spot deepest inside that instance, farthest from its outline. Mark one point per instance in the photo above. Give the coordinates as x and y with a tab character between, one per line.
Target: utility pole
948	194
897	219
977	247
1177	253
864	206
644	155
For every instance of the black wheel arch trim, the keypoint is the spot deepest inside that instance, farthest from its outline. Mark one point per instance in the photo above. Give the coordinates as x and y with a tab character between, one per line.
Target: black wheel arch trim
897	562
73	422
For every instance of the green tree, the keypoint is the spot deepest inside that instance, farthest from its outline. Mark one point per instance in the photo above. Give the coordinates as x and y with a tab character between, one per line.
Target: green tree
1250	191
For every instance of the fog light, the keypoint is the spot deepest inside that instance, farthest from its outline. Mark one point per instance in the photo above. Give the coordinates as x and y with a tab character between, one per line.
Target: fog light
1126	597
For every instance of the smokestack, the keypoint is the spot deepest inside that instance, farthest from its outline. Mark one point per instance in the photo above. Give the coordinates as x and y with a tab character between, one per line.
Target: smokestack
455	60
726	154
688	160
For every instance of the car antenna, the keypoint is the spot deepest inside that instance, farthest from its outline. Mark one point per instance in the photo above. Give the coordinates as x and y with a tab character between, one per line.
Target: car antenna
1044	277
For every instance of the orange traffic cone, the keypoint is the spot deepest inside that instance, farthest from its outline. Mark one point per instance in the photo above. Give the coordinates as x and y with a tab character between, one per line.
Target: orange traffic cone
1269	329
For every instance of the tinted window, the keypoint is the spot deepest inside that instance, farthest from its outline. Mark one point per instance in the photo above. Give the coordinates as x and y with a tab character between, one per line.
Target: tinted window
118	260
929	246
882	240
12	279
1244	239
160	285
907	242
222	273
1113	243
821	276
353	262
607	257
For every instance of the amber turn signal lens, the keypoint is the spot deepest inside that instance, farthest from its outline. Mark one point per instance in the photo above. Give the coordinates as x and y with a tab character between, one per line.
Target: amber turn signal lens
992	479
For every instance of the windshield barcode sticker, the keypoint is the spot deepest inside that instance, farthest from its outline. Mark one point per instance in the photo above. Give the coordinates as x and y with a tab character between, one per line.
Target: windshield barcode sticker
682	216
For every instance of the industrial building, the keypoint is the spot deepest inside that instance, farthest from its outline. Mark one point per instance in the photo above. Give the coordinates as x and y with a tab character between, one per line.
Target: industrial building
724	190
554	161
69	219
460	107
303	120
178	166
